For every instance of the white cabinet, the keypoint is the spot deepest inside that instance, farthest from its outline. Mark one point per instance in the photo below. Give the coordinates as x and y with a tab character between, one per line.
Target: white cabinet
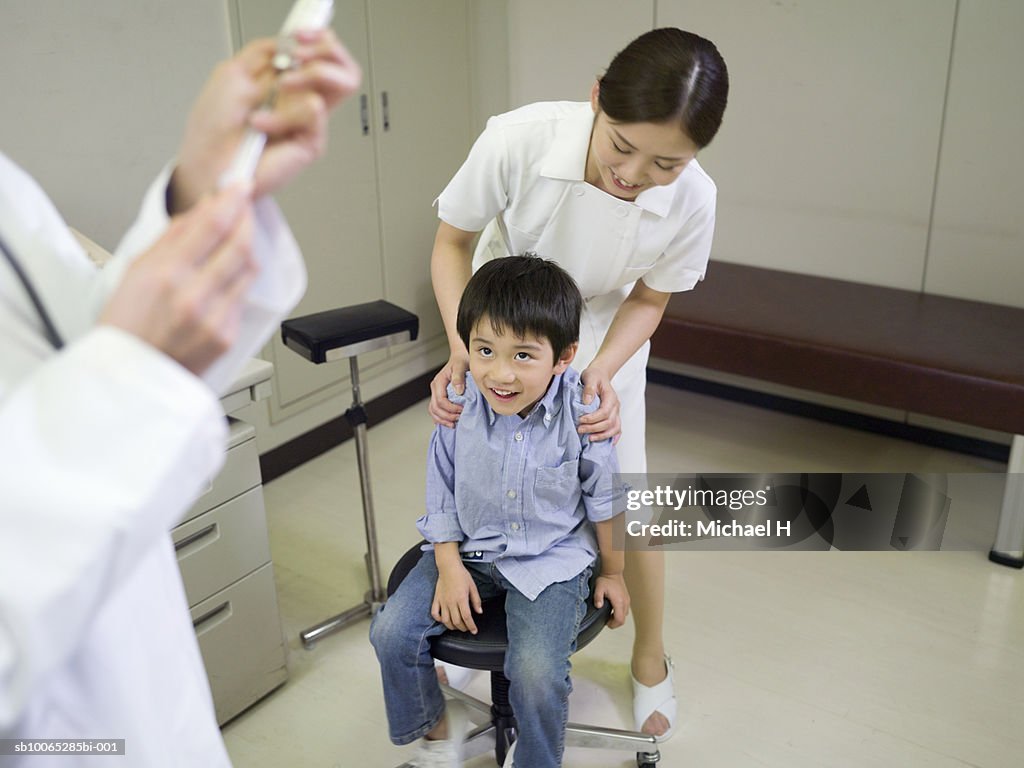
363	216
223	553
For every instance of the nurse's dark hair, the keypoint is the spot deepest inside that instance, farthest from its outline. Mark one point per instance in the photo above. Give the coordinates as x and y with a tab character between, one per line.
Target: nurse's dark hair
525	295
667	75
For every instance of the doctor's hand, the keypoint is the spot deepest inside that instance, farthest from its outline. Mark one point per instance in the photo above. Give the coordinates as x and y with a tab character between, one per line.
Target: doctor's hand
184	296
323	75
604	422
442	410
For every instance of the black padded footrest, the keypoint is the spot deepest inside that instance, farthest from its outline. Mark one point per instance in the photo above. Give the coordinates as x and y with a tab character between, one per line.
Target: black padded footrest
313	336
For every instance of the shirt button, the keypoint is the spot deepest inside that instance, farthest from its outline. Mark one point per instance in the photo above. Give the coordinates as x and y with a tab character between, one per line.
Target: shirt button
511	494
579	190
515	526
519	437
622	212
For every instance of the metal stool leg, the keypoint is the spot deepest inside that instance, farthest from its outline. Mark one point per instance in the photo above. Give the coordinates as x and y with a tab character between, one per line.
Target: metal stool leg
356	416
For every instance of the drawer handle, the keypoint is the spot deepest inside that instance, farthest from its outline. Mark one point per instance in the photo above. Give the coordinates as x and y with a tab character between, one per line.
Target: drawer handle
211	619
209	530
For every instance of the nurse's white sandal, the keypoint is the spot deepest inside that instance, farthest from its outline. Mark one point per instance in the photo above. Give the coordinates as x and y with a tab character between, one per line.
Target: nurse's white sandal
656	698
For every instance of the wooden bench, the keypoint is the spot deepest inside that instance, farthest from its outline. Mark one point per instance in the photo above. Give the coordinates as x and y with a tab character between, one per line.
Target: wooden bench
949	358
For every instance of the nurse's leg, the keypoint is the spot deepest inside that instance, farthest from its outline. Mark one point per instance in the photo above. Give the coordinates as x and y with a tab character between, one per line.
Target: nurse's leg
645	571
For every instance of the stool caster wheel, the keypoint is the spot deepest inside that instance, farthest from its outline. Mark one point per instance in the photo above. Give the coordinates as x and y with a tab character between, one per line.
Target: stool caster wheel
647	759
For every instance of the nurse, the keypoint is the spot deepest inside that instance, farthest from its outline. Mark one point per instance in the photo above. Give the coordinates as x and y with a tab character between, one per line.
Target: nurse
611	190
109	419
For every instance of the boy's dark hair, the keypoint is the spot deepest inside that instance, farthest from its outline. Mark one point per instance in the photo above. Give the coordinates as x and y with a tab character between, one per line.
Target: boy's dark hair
526	294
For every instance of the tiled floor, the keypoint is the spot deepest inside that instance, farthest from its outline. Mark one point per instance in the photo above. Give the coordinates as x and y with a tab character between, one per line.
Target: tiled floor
783	659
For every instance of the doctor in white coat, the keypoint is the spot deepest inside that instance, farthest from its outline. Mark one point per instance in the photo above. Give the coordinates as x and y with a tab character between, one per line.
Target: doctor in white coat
110	423
611	190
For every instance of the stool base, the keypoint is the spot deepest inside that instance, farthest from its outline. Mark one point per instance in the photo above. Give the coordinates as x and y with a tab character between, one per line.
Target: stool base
363	610
486	737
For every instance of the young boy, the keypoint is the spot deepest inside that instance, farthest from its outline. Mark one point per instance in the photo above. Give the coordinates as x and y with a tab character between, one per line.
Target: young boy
514	495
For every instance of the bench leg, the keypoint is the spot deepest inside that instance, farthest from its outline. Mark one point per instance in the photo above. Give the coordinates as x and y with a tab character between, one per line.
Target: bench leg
1009	545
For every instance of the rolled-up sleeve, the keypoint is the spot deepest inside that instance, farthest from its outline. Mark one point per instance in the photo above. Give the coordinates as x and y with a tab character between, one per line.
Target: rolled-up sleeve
441	522
600	484
603	492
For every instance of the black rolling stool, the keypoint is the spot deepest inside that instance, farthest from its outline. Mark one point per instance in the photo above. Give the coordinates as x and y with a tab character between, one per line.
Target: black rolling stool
333	335
486	650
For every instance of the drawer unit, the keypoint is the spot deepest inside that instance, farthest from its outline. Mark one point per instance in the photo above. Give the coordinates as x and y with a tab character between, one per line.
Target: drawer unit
223	552
223	545
241	470
239	631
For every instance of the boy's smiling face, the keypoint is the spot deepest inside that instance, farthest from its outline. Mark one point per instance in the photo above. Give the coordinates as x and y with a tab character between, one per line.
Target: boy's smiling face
513	373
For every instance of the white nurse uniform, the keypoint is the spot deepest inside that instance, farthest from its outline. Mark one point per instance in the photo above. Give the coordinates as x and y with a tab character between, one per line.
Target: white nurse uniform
526	173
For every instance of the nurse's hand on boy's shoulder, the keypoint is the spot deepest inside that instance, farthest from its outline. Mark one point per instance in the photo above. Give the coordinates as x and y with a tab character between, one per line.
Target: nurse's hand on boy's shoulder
442	410
456	598
604	422
613	589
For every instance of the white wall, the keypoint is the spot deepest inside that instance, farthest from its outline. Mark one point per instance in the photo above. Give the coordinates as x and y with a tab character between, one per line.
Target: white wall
489	79
977	243
826	159
558	47
95	95
841	154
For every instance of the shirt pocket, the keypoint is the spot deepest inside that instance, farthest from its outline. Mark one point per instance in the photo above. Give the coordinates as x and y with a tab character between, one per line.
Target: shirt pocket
556	490
522	241
640	261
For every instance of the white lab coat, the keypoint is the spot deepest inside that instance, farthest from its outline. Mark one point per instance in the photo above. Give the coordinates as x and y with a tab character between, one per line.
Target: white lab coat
103	447
528	168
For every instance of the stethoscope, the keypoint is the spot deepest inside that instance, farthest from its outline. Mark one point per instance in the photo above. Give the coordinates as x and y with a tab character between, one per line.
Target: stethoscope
48	327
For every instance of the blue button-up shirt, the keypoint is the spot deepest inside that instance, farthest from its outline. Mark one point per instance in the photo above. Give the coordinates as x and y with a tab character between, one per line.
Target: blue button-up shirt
520	491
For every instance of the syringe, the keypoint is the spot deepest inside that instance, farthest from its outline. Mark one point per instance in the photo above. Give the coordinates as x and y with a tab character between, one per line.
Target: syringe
304	15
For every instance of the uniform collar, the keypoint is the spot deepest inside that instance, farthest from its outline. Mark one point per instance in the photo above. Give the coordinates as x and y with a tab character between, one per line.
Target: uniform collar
566	158
658	200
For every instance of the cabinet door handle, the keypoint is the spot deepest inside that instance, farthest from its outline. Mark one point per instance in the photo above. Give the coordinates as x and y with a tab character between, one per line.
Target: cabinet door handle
364	113
385	112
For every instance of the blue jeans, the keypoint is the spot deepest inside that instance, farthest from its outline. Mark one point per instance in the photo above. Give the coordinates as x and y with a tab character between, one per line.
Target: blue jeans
541	637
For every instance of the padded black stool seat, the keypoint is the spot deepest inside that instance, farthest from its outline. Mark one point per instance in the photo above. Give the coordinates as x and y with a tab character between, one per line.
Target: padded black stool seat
326	336
486	651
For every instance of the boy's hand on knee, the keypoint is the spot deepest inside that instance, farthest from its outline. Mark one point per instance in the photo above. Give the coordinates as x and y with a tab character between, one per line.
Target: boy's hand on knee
456	599
613	589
